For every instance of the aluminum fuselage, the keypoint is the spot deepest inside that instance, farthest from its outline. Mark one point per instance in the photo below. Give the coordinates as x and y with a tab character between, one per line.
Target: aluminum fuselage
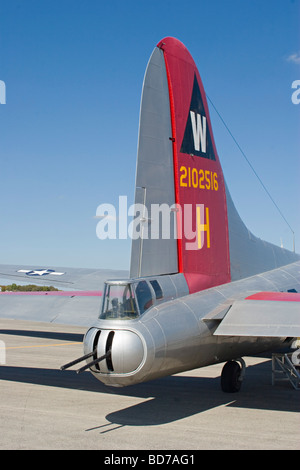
178	335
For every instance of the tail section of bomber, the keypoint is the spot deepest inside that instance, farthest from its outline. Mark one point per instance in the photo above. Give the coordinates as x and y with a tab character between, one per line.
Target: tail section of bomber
188	222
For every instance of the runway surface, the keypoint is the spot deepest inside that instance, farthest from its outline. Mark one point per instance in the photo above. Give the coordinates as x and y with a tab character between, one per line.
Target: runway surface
43	407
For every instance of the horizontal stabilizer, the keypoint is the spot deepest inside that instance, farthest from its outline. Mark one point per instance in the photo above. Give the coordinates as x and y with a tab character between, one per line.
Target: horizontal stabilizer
269	318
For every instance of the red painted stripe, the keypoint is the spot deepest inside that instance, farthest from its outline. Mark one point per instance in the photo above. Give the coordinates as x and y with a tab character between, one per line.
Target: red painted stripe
277	296
58	293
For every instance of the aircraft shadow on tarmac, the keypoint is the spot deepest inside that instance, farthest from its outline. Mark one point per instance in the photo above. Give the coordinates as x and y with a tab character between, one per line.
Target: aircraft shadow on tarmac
171	398
44	334
166	400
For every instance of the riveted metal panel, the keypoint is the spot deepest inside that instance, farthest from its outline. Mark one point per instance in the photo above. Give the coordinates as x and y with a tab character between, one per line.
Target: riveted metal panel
261	318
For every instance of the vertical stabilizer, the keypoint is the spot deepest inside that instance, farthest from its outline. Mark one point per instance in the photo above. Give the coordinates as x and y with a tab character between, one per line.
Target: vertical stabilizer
178	167
188	223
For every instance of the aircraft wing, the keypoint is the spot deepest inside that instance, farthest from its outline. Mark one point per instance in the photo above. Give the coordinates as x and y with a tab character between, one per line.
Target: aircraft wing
76	303
269	314
64	278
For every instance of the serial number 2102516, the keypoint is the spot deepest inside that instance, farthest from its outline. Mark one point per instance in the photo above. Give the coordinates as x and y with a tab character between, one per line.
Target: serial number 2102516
202	179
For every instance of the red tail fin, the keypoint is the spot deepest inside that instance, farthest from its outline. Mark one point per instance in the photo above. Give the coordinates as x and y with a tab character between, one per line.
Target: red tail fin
178	164
203	251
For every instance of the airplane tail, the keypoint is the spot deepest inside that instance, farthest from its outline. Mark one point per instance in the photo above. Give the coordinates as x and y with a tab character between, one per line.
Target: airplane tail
187	220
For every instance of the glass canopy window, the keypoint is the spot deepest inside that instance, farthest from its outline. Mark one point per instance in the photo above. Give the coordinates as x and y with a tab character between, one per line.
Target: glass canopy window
118	302
121	299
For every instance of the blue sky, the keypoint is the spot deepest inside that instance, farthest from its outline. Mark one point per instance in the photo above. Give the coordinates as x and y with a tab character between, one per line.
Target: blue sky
68	131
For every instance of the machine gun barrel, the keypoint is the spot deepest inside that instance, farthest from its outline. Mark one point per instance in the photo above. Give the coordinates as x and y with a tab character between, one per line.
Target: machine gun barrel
80	359
96	361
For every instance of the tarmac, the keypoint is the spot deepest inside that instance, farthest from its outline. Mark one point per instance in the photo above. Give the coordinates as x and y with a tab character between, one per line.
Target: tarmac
43	407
